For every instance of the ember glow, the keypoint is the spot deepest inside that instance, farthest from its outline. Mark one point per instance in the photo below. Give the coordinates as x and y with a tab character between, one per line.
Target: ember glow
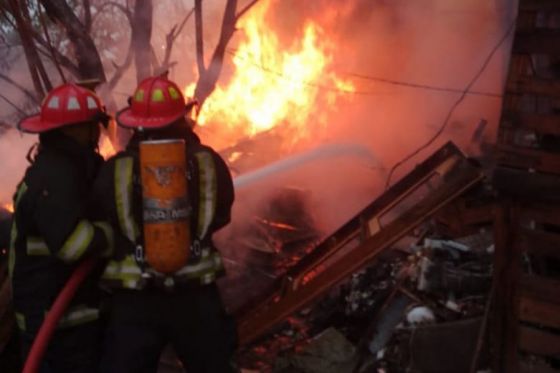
275	83
8	206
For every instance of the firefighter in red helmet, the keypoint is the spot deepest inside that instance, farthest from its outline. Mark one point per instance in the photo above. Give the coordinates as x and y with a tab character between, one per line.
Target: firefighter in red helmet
54	228
177	303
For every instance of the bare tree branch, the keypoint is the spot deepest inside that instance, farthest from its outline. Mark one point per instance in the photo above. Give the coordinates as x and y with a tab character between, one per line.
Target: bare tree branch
125	10
13	105
28	46
89	61
87	15
171	36
245	9
27	92
208	79
48	39
199	31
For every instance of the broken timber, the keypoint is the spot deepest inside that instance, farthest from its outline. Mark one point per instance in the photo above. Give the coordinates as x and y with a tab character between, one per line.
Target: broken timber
434	183
527	179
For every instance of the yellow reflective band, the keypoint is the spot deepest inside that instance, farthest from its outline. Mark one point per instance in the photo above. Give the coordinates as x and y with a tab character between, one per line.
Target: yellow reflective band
126	272
139	96
20	321
123	196
157	95
36	246
173	93
108	232
208	265
78	315
14	232
207	188
77	243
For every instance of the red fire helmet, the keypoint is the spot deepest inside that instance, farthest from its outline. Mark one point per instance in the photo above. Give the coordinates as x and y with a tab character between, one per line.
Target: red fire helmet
65	105
157	102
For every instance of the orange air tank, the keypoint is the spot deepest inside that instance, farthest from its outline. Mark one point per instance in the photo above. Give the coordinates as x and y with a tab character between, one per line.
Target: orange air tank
167	235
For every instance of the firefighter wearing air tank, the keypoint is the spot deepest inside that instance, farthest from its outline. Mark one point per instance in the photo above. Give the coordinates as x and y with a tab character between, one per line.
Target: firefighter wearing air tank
168	194
55	227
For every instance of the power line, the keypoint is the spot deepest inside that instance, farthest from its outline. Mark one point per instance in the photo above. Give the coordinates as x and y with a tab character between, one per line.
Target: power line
454	106
233	52
422	86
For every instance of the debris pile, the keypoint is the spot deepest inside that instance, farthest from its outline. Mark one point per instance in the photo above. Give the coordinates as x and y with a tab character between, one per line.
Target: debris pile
419	307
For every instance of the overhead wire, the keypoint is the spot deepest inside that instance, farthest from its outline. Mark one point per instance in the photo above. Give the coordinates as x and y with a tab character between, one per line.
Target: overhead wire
455	104
233	52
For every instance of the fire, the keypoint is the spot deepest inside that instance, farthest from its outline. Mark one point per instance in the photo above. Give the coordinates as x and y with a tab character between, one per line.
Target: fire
273	83
8	206
106	148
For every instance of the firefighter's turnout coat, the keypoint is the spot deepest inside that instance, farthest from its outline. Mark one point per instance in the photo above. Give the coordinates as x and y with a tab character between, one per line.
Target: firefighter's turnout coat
54	227
210	196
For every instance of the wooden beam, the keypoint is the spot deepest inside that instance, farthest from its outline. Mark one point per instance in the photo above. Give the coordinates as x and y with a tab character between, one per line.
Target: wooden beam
507	259
539	243
539	5
540	123
542	213
526	186
540	288
529	158
538	41
539	312
523	84
538	342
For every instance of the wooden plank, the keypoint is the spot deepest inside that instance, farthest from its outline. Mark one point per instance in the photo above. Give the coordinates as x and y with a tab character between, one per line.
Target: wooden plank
539	312
540	288
538	342
539	5
540	123
507	259
542	214
524	185
523	84
539	243
529	158
538	41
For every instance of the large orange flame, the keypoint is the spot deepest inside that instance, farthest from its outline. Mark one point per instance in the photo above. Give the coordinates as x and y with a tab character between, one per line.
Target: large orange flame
8	206
273	83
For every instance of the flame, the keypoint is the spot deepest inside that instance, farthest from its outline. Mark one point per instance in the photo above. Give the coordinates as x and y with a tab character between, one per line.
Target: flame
106	147
8	206
273	83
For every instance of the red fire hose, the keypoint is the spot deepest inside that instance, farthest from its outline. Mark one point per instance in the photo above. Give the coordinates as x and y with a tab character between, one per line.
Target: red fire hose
55	313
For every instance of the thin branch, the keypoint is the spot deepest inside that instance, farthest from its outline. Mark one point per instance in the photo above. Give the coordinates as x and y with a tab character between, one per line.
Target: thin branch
12	104
49	42
242	12
27	92
171	36
125	10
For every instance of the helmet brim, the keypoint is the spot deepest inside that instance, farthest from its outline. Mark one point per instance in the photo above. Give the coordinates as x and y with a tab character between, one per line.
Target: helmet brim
34	124
125	118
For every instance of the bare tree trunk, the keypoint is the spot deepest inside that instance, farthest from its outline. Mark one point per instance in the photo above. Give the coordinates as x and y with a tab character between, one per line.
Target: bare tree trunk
141	36
28	47
208	78
87	56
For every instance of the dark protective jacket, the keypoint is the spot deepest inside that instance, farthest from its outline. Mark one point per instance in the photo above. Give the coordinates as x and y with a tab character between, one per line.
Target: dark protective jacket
54	227
211	196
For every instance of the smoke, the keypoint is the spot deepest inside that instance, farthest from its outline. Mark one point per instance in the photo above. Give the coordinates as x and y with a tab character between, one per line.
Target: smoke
409	63
13	150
